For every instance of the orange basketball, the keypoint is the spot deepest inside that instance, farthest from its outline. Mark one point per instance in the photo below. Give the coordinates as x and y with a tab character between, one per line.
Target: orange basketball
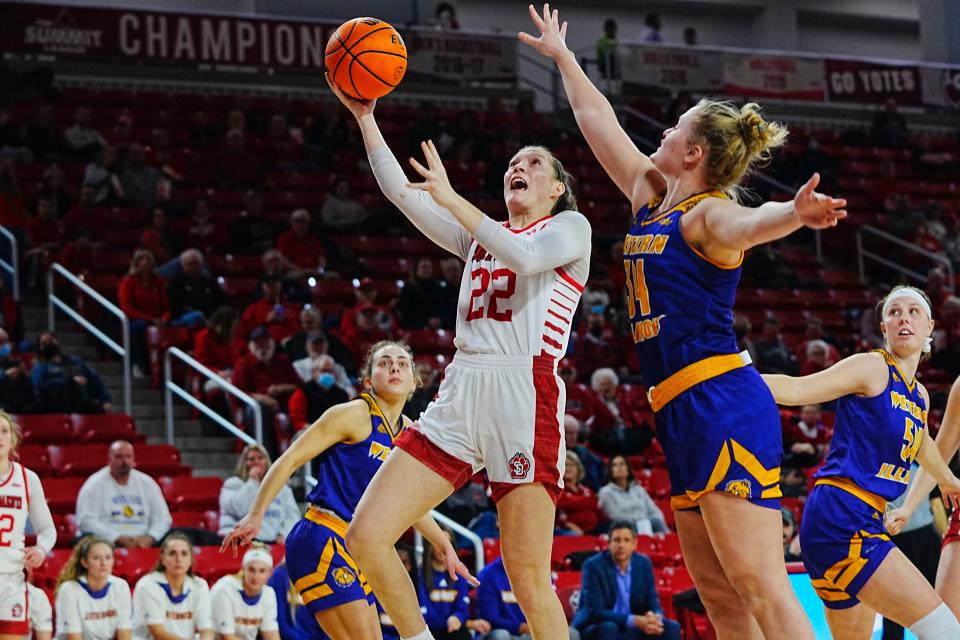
366	58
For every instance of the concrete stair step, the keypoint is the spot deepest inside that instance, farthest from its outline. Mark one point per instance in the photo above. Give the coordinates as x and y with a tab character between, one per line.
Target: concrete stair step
203	444
202	472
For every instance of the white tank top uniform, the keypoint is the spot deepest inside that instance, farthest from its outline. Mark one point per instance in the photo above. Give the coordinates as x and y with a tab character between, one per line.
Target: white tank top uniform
95	615
183	615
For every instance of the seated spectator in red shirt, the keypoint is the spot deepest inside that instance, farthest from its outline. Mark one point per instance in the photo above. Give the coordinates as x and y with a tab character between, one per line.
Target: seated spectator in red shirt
364	332
577	509
815	331
158	238
582	402
143	298
267	375
317	394
620	425
805	438
273	311
817	357
366	295
218	347
299	245
595	344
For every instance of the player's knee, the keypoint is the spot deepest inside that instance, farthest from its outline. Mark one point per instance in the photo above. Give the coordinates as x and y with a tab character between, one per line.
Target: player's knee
754	589
531	587
360	539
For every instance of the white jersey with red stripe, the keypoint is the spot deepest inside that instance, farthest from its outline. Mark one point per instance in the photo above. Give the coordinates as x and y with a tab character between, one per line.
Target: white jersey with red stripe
14	511
504	312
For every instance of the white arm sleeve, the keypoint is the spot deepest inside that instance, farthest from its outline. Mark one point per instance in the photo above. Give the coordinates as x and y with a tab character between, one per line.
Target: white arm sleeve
223	614
565	239
124	605
431	219
90	508
158	511
269	600
40	516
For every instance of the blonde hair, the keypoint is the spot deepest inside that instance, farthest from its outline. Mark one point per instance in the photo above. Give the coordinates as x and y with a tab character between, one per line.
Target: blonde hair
241	470
737	139
170	537
74	569
255	544
16	434
141	253
924	355
581	471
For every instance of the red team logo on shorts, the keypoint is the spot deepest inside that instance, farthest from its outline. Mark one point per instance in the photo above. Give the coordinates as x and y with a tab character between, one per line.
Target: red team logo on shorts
519	466
16	611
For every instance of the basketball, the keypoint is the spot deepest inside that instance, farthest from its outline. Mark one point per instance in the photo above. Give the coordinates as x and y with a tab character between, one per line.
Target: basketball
366	58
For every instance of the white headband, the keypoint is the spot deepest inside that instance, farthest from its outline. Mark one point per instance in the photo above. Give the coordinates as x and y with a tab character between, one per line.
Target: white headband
916	296
258	555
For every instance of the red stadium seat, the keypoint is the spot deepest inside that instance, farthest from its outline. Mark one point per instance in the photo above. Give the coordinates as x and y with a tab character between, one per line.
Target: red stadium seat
491	549
160	460
61	493
34	457
669	548
132	564
185	492
567	579
66	529
43	429
45	576
570	599
211	565
106	428
194	519
78	460
430	341
655	481
563	546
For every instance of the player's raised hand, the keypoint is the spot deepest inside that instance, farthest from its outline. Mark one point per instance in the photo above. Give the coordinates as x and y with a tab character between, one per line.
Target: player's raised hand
553	35
357	107
243	533
435	180
816	210
454	566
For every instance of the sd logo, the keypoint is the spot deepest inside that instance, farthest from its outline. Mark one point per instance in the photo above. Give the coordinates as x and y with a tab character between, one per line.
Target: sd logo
519	466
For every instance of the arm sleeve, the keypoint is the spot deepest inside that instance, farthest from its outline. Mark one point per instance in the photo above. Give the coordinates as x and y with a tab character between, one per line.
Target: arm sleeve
160	518
89	510
269	620
564	240
124	605
40	516
223	618
431	219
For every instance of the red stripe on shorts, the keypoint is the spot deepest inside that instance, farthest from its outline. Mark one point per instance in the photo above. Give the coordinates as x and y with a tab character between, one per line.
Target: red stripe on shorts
547	433
452	469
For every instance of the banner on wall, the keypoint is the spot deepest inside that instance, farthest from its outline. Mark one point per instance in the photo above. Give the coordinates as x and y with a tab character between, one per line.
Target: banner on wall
940	87
460	56
767	76
676	69
870	82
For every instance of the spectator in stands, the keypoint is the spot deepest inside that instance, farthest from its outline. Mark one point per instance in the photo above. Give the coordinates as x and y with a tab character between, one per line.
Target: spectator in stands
577	509
805	438
870	317
421	299
46	237
53	184
427	391
936	286
445	17
162	155
204	233
451	272
619	424
171	601
366	295
768	269
85	216
317	394
582	402
593	347
935	225
889	128
690	38
143	298
158	239
773	356
951	240
311	327
816	357
123	505
946	337
65	384
341	211
269	378
446	603
619	598
276	265
194	295
13	139
651	28
466	504
608	60
91	601
273	311
283	145
218	347
244	605
139	180
43	137
741	329
301	247
13	213
409	560
79	251
236	167
365	331
815	330
251	233
16	387
81	141
239	490
317	347
11	314
294	619
594	468
791	536
812	158
623	498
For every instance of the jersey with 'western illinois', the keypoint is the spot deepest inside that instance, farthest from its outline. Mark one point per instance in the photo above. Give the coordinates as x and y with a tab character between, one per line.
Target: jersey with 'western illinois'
876	439
680	302
346	469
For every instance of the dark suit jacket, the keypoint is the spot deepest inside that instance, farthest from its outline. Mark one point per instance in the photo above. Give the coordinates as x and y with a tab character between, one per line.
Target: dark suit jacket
599	590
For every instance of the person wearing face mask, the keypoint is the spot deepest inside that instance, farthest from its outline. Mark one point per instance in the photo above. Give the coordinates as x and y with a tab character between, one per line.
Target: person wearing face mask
269	378
318	346
317	394
64	383
16	388
311	328
239	491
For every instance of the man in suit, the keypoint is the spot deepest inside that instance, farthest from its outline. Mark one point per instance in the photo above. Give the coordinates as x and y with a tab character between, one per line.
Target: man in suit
619	597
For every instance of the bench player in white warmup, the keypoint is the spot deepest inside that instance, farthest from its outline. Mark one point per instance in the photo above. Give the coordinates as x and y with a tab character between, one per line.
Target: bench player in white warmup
501	403
21	497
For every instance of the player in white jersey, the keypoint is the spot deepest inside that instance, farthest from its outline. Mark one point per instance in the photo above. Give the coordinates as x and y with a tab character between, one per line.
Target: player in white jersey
21	498
171	602
40	613
501	403
92	603
244	605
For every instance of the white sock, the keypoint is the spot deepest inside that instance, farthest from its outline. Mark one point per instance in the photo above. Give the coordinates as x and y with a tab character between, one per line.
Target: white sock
939	624
423	635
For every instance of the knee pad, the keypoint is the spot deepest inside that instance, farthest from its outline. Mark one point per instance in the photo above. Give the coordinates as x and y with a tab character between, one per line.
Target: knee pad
939	624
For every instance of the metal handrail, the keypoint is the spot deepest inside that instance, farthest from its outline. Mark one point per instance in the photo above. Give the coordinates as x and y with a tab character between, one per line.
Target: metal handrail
863	254
11	267
54	302
170	388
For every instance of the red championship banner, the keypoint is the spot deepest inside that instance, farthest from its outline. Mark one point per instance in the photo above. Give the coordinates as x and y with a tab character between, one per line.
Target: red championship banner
941	86
872	82
677	69
134	36
769	76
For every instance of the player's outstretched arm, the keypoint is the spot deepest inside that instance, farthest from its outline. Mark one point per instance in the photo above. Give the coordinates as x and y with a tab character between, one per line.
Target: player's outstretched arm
933	463
631	170
339	423
735	227
862	373
430	530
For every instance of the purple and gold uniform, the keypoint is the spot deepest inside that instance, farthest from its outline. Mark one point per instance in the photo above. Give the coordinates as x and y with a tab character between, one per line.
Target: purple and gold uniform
875	440
320	567
715	417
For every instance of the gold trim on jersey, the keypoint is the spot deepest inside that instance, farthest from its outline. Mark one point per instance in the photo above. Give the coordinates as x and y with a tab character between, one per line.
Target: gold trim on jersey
375	410
691	375
683	206
890	360
733	451
835	581
872	499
